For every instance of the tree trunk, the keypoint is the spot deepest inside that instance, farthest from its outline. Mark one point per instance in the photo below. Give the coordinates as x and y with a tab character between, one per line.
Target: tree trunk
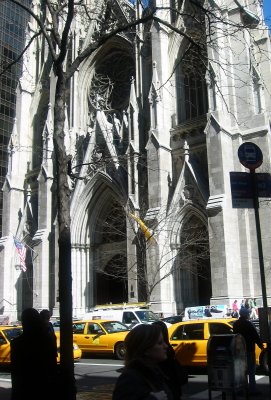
67	381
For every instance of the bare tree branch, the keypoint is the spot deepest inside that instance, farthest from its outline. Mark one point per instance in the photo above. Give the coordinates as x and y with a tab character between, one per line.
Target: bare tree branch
9	65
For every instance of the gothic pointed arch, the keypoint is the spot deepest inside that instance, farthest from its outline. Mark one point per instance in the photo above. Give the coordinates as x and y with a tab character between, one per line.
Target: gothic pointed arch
192	272
99	231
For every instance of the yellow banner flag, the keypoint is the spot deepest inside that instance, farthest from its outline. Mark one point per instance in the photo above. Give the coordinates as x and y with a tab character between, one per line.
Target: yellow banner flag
147	232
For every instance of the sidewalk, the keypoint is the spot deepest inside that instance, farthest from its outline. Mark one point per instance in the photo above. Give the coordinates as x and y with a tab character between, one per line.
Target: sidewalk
101	392
104	392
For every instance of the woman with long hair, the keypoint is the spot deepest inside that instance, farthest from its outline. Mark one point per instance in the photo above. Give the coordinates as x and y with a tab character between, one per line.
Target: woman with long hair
141	378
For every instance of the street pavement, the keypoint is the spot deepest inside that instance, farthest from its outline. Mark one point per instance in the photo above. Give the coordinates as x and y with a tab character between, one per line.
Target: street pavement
96	378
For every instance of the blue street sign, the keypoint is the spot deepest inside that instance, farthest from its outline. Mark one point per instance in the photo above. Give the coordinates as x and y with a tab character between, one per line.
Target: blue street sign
241	188
250	155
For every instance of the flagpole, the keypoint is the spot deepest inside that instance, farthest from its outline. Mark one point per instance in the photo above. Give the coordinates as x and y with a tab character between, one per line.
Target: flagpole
26	245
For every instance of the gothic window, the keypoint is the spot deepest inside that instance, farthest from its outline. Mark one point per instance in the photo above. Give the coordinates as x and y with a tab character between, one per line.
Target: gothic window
191	88
211	81
256	84
111	84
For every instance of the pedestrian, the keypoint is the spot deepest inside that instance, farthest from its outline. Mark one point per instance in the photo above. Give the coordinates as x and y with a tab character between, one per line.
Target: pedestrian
141	378
171	368
242	304
252	305
45	317
235	310
246	304
33	360
244	327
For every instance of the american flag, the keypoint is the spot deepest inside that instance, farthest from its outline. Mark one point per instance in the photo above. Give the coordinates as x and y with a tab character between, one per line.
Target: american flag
21	251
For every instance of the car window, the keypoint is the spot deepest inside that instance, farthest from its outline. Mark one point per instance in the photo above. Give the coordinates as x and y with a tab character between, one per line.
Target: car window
147	316
12	333
2	339
128	317
114	326
94	329
219	329
78	328
189	332
172	320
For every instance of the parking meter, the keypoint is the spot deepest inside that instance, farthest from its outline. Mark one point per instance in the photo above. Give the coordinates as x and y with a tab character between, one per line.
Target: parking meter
227	363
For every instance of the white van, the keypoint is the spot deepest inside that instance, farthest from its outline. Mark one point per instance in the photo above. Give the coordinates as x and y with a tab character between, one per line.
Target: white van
130	315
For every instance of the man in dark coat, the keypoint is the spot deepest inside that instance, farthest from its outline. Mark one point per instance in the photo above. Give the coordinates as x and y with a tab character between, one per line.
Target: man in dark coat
244	327
33	360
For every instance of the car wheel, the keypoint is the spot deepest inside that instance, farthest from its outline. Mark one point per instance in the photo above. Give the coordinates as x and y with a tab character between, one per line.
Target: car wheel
120	351
264	362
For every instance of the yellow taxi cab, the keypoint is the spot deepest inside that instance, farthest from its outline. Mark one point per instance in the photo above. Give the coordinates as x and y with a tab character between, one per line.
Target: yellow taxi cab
8	332
189	340
77	352
101	336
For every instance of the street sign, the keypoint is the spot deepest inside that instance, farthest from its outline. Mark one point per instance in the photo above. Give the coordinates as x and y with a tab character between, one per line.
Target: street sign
263	184
250	155
241	188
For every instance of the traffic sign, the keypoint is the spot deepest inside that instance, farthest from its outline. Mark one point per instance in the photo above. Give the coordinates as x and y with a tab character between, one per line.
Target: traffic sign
242	191
250	155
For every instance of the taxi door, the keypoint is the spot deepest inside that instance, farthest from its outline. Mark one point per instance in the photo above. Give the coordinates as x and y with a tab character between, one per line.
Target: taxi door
81	336
99	337
4	350
190	344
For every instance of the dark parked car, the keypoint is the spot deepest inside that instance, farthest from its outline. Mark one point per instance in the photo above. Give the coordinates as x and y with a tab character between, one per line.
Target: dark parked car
173	319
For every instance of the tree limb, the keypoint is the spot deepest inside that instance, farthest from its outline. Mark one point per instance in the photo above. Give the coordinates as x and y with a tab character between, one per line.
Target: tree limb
40	24
9	65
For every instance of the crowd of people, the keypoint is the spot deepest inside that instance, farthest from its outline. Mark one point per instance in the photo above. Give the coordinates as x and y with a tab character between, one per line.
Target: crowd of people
247	303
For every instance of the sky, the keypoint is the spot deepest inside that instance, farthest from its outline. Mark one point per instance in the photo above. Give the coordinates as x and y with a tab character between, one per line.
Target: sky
267	12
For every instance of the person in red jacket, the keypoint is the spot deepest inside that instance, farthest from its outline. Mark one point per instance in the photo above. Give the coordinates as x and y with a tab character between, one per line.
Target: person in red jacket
244	327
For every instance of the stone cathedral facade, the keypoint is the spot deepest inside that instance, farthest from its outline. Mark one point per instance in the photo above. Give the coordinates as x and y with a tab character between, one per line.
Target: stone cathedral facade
153	126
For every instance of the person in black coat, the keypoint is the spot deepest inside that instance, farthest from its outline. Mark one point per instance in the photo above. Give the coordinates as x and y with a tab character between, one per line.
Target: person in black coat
45	317
245	328
33	360
141	378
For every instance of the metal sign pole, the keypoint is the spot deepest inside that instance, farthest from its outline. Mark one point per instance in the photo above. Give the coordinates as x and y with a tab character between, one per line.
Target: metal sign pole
258	233
251	157
261	261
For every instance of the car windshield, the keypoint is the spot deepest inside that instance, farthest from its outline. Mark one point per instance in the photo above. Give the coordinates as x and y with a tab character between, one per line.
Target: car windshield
114	327
12	333
146	316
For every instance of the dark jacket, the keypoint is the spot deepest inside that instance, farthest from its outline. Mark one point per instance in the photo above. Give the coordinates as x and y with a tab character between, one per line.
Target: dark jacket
138	380
174	372
33	367
249	333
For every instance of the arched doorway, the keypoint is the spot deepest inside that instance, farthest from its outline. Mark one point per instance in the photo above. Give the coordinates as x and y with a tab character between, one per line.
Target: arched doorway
192	269
111	258
112	284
